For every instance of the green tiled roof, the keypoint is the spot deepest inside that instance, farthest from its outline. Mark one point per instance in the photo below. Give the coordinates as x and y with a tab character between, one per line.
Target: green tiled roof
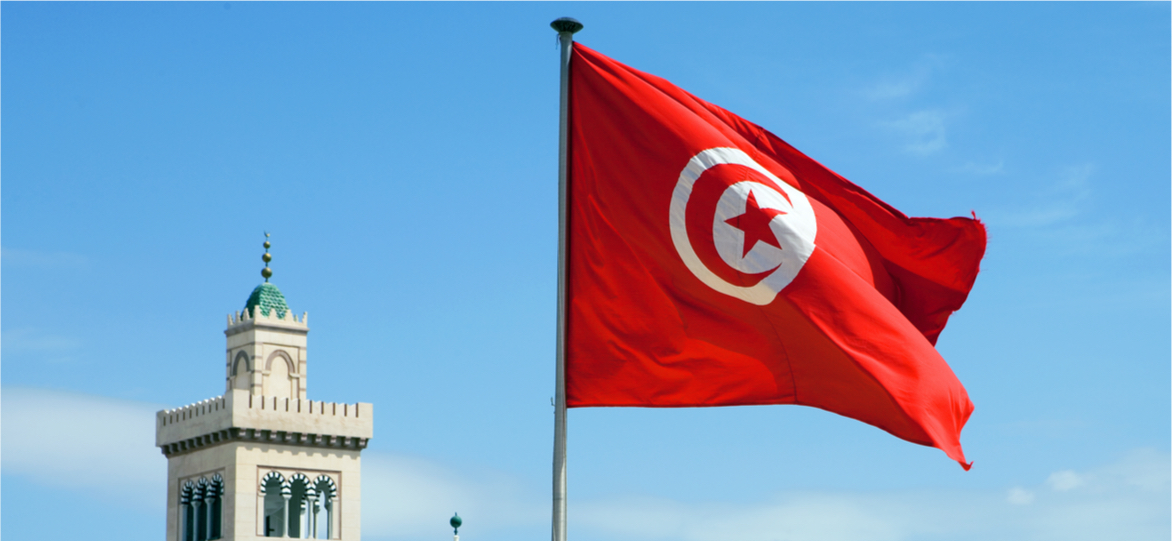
268	298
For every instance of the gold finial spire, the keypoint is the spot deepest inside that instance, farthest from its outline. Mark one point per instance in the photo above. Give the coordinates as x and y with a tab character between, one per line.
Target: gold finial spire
267	272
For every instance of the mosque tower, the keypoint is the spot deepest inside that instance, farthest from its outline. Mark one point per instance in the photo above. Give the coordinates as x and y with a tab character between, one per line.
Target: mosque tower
262	460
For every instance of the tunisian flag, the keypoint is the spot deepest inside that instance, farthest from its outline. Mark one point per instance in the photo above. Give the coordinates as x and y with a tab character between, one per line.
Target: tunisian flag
712	264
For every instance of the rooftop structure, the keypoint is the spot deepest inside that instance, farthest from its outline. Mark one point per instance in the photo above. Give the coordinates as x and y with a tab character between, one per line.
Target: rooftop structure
262	460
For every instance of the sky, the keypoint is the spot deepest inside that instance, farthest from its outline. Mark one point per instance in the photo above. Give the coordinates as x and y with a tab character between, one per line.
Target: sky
404	158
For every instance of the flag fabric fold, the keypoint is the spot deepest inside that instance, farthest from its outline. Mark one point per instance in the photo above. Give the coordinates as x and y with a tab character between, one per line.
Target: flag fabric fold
712	264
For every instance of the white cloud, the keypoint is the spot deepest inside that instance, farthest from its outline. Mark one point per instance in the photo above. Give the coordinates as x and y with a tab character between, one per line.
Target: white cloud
1020	496
1049	214
413	495
1062	217
41	259
1075	181
105	447
925	131
982	169
897	88
1060	202
801	516
1064	480
1129	499
1126	500
906	84
101	446
35	340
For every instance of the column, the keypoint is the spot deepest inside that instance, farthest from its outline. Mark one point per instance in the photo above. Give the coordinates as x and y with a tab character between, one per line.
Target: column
187	521
211	505
310	518
330	519
195	536
285	514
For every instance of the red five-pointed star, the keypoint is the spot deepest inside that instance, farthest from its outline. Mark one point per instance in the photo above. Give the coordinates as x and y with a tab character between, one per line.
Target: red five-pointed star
755	224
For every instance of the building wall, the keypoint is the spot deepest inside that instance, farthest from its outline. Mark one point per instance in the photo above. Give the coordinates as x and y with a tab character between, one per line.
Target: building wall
263	424
244	464
254	460
239	409
242	437
207	462
264	342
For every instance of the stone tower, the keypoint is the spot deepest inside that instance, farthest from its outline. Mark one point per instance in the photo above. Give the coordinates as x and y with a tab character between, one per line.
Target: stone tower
262	460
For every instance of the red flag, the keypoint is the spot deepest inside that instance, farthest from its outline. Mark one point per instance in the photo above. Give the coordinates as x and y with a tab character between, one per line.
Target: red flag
712	264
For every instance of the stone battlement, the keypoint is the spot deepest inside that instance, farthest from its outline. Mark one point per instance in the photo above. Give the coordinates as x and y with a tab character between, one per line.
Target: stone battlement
240	415
257	317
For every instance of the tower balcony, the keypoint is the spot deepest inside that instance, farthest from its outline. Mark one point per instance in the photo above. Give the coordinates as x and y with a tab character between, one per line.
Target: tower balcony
241	416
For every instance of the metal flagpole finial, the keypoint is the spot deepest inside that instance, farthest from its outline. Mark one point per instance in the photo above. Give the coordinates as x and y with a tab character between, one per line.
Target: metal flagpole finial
267	272
566	24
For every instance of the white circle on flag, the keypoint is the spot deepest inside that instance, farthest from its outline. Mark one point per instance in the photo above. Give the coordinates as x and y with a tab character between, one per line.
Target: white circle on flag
792	225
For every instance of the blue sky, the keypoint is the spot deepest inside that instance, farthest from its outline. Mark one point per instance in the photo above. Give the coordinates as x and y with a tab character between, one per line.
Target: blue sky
404	158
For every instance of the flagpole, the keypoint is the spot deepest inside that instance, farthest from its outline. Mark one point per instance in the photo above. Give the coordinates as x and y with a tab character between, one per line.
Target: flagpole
566	27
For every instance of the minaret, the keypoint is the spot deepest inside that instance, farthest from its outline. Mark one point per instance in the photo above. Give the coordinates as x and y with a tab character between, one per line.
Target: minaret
266	343
262	460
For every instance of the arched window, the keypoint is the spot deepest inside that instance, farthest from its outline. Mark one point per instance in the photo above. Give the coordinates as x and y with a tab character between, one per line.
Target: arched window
276	502
214	501
324	519
186	514
303	498
279	383
242	371
298	507
201	509
199	501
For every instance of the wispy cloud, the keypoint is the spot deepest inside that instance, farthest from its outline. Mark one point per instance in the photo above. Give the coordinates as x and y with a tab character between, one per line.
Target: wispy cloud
922	127
1060	202
35	340
981	169
924	131
1129	499
101	446
1065	217
1065	480
42	259
1020	496
896	88
908	83
1126	500
414	494
405	497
